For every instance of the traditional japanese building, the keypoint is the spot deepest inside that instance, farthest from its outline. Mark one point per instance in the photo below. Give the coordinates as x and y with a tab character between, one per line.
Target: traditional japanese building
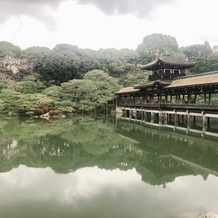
168	67
164	71
170	90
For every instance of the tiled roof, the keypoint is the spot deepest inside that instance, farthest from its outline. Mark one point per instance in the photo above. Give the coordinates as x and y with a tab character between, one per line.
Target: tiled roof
152	83
127	90
168	60
202	80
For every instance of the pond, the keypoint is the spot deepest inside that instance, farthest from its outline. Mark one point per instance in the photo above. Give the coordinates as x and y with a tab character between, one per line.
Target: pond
96	167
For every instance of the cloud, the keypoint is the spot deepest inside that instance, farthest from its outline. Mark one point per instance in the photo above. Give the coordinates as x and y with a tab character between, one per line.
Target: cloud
139	8
42	9
38	9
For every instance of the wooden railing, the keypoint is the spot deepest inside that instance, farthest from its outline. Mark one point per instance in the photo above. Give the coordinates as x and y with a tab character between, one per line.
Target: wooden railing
170	106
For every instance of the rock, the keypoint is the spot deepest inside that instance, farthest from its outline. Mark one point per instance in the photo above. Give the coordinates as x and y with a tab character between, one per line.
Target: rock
15	65
45	115
211	215
200	215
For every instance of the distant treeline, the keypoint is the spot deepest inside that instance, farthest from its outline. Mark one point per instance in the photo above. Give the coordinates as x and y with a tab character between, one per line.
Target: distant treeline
67	67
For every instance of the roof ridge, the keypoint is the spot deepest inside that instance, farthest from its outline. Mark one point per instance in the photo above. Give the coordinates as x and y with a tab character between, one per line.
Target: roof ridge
196	75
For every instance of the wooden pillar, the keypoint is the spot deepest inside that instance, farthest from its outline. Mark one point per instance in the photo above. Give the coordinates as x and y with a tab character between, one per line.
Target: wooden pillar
166	99
134	99
171	99
165	117
194	120
160	118
144	115
183	120
208	122
205	98
176	119
144	99
195	98
209	98
183	99
130	113
160	101
152	99
152	117
204	124
189	98
188	121
124	112
177	99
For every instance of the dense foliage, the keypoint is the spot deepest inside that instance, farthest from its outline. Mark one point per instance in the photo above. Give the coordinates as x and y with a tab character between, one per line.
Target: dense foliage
155	45
84	80
8	50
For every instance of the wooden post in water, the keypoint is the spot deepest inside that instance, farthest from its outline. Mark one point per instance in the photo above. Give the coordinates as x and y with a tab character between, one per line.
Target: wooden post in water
208	122
152	117
165	118
176	119
144	115
188	121
194	120
160	118
204	123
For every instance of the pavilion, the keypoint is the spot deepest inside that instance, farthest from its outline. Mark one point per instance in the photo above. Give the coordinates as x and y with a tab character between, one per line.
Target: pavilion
170	89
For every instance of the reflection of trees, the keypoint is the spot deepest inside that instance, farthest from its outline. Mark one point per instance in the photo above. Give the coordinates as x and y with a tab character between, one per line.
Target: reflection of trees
65	145
72	143
171	154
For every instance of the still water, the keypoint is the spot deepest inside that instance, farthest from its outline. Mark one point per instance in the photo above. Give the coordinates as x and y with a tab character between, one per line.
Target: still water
96	168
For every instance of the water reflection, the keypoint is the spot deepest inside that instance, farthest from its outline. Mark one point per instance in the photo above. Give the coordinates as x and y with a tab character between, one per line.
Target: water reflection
82	167
170	154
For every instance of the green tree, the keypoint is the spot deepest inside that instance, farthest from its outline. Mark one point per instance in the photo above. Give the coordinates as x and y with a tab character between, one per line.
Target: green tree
95	90
13	101
106	86
134	78
8	50
35	55
197	51
54	92
59	67
116	62
155	45
30	85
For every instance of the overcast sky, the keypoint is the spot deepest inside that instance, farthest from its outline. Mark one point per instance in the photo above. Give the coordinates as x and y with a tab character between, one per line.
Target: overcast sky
98	24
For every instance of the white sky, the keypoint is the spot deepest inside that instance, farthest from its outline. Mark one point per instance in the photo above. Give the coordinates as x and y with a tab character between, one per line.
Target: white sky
189	21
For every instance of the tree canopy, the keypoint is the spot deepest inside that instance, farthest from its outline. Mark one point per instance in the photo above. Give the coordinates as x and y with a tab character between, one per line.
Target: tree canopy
84	79
8	50
155	45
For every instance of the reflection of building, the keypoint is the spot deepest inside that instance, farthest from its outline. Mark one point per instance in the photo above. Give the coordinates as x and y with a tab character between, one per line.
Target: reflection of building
158	156
170	92
169	154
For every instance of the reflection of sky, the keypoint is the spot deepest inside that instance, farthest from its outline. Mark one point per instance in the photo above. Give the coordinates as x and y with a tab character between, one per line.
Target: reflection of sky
93	192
